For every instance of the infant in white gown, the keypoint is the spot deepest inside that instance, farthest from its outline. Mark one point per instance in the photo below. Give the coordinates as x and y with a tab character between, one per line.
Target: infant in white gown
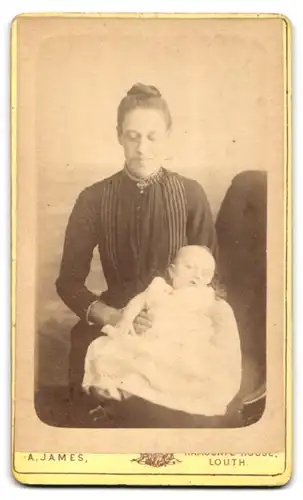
189	359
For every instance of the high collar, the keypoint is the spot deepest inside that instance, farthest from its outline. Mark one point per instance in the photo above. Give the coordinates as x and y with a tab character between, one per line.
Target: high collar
141	184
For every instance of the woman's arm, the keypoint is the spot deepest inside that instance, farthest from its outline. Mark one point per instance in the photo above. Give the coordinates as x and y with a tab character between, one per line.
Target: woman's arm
81	237
100	314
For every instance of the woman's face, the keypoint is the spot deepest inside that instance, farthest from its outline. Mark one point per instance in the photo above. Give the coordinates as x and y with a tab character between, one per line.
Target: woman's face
144	138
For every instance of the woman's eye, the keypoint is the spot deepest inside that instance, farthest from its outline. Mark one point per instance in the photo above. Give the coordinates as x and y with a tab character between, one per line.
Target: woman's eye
152	138
132	137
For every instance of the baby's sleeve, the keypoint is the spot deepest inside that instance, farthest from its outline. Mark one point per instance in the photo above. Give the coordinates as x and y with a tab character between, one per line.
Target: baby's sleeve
156	290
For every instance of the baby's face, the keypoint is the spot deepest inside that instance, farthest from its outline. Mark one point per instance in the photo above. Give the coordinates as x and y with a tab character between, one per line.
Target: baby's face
192	267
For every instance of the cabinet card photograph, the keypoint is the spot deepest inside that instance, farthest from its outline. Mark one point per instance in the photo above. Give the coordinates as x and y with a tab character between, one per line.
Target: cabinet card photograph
151	266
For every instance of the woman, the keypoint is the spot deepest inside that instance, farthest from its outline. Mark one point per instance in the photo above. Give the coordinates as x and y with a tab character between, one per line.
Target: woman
139	218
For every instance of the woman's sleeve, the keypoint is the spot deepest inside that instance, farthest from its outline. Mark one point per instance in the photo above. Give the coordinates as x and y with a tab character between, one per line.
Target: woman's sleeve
200	225
80	241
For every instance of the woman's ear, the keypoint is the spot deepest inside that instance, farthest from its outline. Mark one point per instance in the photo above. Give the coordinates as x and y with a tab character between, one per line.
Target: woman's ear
119	136
168	132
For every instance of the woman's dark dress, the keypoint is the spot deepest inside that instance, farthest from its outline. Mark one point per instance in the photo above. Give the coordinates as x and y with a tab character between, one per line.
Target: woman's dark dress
138	230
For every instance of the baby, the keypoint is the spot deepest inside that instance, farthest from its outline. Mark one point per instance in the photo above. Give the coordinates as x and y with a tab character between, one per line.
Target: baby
188	293
175	356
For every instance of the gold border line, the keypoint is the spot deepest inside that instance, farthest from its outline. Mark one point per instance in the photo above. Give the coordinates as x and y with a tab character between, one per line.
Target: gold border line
158	480
288	247
156	15
13	190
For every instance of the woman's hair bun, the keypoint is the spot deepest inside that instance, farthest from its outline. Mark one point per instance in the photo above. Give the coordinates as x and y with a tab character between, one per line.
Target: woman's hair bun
142	96
145	91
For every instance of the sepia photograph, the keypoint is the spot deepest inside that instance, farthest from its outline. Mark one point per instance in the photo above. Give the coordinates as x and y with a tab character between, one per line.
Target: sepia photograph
151	281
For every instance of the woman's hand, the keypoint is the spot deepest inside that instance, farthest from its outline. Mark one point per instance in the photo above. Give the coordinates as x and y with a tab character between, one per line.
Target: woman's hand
101	314
143	322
